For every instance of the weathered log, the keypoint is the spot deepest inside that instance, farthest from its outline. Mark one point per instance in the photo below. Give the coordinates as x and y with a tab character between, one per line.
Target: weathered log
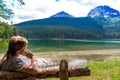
58	71
5	75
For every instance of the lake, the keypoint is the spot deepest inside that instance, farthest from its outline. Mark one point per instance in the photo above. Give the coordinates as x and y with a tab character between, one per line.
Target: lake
41	45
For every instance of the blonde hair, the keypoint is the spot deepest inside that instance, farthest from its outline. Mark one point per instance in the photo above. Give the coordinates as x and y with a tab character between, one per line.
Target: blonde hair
15	44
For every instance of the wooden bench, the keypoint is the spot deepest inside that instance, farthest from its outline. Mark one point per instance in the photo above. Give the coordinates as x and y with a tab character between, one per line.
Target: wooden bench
63	73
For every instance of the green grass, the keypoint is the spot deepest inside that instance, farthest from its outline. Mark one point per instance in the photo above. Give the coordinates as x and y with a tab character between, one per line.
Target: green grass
109	70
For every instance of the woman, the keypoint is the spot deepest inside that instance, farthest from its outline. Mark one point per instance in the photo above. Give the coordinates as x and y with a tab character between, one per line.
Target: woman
11	62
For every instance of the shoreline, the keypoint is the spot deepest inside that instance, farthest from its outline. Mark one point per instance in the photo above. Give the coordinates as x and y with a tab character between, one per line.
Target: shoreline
91	55
87	52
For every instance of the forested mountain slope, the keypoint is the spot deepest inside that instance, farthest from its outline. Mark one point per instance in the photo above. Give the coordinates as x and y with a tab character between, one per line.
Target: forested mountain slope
61	26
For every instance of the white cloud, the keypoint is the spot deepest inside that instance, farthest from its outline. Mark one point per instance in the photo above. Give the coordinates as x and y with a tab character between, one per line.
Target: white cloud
37	9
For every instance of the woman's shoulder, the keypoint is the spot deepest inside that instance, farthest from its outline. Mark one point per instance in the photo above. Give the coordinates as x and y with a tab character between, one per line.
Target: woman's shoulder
13	64
15	59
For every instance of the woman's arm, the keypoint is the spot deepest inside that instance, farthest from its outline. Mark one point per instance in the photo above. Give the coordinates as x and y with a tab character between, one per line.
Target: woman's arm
33	67
31	70
34	63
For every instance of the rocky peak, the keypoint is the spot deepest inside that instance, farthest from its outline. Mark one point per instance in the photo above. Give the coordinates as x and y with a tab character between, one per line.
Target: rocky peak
61	14
103	11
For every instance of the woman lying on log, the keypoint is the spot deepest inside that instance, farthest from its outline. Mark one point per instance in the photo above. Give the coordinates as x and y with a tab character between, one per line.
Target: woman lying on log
11	62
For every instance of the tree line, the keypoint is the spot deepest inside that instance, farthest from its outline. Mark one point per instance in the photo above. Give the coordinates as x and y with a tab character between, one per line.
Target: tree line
62	32
6	30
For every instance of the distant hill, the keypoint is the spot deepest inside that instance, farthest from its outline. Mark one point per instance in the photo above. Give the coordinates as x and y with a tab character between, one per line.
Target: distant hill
104	11
62	27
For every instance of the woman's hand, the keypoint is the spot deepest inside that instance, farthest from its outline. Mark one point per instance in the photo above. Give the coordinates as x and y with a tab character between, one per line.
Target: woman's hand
27	53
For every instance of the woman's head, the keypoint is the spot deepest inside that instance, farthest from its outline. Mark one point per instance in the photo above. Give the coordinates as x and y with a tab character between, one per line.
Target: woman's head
16	43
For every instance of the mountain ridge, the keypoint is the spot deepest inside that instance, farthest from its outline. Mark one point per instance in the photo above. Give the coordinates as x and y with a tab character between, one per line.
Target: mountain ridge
106	27
62	26
65	14
103	11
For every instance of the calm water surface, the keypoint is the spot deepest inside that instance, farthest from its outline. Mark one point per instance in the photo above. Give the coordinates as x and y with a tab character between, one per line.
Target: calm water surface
71	44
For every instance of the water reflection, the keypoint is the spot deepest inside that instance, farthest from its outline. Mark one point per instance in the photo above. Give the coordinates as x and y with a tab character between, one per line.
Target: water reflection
71	44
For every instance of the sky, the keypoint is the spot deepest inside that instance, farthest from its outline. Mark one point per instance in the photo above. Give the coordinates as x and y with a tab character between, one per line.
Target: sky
39	9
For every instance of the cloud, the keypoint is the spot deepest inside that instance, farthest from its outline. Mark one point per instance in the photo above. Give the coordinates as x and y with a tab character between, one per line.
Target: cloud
37	9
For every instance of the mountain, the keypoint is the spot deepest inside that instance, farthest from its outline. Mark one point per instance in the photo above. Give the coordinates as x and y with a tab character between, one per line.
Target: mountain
83	23
111	26
101	22
103	11
109	18
61	14
61	27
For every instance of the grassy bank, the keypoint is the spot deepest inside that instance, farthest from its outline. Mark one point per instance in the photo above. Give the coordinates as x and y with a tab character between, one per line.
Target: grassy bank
109	70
